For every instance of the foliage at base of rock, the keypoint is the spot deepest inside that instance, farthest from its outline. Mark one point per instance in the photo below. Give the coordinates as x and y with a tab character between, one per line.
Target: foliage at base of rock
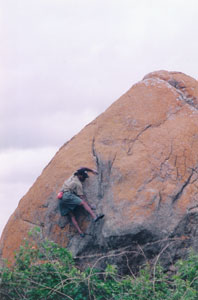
44	270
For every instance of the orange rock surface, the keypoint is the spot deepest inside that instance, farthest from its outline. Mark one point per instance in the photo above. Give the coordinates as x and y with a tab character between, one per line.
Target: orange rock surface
145	148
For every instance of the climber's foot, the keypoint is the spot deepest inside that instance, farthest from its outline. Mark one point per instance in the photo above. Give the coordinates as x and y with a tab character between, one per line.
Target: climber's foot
98	218
93	207
82	235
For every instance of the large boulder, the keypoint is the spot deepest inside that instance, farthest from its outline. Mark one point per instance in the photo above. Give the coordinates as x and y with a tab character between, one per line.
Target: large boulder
145	148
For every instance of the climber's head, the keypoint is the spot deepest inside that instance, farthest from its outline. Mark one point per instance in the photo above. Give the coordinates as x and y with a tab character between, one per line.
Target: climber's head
81	174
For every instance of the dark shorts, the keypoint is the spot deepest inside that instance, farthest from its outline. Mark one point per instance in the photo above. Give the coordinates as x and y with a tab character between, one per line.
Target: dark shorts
68	203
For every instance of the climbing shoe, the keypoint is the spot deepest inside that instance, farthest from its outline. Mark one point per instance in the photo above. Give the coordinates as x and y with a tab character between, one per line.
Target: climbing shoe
98	218
82	235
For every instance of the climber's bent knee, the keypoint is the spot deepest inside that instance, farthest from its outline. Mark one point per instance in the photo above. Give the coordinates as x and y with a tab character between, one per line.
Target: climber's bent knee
82	202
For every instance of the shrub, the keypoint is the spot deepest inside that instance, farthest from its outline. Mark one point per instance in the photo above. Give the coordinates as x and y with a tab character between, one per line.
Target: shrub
43	270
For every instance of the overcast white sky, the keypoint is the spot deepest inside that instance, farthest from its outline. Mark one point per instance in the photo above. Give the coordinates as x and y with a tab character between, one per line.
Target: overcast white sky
63	62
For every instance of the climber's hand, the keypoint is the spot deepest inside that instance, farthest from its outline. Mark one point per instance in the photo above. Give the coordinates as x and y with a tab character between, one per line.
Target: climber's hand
94	172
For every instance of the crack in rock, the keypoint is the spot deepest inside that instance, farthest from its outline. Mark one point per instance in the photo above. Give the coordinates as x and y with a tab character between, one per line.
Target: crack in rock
32	223
179	193
104	169
132	141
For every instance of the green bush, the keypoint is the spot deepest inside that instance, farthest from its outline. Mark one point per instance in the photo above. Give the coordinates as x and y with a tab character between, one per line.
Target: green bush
43	270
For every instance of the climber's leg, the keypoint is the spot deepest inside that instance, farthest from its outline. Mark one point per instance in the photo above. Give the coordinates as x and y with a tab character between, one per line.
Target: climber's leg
88	209
75	223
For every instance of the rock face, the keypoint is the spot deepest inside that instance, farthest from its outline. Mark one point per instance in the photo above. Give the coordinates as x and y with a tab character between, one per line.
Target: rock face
145	148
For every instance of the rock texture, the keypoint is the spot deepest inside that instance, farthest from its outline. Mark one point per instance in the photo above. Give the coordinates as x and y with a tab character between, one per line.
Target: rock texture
145	148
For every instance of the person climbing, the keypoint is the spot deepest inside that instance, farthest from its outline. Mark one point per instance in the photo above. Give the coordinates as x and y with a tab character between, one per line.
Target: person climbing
72	195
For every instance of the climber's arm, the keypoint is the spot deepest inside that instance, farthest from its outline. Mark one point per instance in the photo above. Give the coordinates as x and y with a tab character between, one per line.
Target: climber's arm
90	170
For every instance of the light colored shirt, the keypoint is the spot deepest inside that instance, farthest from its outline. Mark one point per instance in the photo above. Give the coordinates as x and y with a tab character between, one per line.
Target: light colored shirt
73	185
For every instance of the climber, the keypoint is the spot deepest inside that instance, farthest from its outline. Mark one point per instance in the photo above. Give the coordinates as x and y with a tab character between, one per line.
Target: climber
72	195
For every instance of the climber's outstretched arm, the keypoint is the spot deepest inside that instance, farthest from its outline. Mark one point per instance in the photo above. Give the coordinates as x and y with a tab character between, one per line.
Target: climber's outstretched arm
89	170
